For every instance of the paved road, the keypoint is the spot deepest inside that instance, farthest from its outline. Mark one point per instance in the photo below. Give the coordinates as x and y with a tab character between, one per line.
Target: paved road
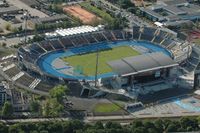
34	120
22	5
121	119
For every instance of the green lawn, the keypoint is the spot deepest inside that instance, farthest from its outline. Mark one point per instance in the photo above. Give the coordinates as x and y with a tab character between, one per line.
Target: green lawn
106	108
88	61
97	11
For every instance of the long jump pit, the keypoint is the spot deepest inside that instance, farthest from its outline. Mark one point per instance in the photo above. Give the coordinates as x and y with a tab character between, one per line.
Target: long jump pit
85	16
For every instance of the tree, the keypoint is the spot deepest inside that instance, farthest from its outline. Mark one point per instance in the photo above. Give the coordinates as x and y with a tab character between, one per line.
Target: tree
58	92
114	125
38	38
46	109
189	123
125	3
174	126
159	125
4	44
52	108
7	109
150	127
8	26
139	130
99	125
3	128
34	106
14	30
136	124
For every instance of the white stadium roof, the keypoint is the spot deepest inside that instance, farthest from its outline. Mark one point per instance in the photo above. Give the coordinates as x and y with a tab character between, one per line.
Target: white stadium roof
76	30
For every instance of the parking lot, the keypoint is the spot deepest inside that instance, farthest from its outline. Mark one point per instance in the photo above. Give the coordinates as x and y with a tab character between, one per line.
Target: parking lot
21	5
12	15
174	107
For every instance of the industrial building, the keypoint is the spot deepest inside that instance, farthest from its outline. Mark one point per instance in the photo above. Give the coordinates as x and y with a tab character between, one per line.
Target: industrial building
172	12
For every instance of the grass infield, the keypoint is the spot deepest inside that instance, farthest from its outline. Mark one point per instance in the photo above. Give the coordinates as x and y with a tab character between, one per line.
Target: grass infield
88	61
106	108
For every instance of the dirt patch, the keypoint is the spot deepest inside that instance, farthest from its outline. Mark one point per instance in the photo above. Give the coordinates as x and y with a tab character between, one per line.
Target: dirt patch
85	16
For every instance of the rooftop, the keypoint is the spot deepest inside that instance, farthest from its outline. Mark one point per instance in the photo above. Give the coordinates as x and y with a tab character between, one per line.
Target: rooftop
142	63
49	19
173	2
77	30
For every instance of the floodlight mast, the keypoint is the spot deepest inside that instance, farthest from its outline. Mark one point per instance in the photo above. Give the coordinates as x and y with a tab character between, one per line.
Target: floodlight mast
97	63
26	14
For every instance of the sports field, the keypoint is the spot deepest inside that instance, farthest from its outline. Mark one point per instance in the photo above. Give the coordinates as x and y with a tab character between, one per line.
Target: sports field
87	62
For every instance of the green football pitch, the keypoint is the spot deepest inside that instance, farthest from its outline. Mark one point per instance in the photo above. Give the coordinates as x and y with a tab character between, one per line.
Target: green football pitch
86	63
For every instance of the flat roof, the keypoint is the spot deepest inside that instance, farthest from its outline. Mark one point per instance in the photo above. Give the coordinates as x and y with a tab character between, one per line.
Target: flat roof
153	13
141	63
175	10
76	30
191	8
175	2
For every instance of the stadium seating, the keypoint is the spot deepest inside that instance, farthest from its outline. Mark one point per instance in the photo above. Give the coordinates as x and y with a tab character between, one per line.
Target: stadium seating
77	41
35	47
136	31
193	60
171	45
128	35
190	68
25	80
82	40
162	34
43	86
149	30
109	36
146	36
12	71
159	36
166	42
90	38
66	42
23	53
158	39
191	63
194	55
99	37
119	35
45	44
56	44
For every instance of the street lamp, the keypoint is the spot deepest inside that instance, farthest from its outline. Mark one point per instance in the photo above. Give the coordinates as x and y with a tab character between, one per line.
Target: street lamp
26	15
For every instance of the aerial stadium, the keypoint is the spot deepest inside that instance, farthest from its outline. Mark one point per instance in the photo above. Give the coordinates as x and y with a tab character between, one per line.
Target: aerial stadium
141	60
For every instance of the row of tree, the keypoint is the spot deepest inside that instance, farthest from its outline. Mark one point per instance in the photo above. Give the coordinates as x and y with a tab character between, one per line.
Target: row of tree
76	126
51	106
123	3
63	24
